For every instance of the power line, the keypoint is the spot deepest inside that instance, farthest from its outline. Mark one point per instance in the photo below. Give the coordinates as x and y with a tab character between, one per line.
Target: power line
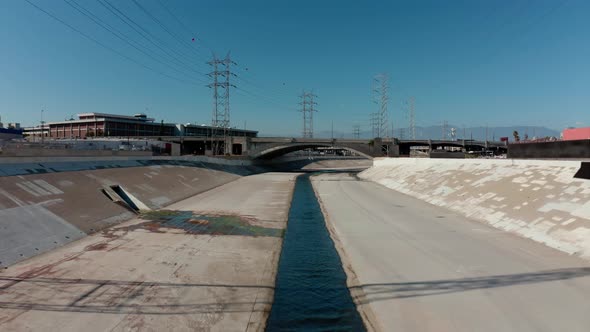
107	47
163	26
356	131
412	118
172	49
259	87
257	97
186	29
264	90
146	35
115	32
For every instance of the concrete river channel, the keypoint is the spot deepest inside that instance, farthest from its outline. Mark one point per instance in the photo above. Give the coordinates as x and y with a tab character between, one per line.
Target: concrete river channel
203	247
310	290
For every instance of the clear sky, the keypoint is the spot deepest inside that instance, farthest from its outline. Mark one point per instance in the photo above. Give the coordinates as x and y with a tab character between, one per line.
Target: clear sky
501	63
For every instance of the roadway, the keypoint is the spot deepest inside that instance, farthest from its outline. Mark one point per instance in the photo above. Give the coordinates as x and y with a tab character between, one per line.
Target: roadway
412	266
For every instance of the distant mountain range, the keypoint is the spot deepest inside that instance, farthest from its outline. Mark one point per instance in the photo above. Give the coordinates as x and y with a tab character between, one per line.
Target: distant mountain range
436	132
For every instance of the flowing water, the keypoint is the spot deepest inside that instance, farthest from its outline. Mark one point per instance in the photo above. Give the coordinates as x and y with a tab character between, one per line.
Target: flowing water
311	292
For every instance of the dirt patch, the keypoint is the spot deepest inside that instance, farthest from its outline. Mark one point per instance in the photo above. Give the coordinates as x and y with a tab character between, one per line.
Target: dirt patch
96	247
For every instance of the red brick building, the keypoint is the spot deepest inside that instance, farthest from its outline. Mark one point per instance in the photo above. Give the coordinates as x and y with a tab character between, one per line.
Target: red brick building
108	125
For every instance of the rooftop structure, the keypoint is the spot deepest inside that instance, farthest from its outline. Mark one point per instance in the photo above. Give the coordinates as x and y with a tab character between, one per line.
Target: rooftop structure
572	134
115	125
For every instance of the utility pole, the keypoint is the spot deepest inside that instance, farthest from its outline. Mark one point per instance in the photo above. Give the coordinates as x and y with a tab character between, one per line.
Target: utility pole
381	86
303	103
392	130
412	118
356	131
332	129
404	119
42	126
311	110
308	104
221	85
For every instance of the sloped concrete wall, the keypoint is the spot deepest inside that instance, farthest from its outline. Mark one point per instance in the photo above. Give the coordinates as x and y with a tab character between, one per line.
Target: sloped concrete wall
39	165
537	199
29	230
39	212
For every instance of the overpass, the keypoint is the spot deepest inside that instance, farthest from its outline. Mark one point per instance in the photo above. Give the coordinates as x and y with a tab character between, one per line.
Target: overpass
272	147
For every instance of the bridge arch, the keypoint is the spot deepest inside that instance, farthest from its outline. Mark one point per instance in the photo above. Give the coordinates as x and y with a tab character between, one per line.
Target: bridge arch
278	150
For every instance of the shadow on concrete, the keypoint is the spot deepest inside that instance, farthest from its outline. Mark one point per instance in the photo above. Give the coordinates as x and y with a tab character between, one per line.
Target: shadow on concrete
167	298
299	164
126	297
583	172
400	290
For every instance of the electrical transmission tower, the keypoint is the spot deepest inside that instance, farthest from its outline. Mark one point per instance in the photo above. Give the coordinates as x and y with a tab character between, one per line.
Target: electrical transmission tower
412	118
221	85
404	119
307	109
380	89
445	130
356	131
374	121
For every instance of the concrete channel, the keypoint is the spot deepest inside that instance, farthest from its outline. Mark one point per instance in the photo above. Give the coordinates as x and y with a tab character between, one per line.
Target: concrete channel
413	266
164	270
232	248
199	250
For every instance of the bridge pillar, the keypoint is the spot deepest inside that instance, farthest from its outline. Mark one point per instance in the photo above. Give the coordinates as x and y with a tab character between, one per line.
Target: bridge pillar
384	149
238	145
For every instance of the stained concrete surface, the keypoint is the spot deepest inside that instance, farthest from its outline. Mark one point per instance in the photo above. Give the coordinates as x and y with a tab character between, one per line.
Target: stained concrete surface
23	235
413	266
76	199
537	199
339	164
157	279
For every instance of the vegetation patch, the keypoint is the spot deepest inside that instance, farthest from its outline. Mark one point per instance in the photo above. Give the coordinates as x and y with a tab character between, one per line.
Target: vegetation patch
213	224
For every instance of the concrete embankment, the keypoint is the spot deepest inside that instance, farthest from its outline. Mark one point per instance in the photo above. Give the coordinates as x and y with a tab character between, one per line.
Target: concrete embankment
206	263
537	199
53	206
413	266
320	163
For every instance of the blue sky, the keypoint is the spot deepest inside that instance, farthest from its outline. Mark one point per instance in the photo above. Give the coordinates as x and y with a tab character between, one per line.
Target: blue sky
501	63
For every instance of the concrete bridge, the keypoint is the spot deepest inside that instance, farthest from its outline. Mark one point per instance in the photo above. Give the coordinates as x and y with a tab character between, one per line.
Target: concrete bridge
272	147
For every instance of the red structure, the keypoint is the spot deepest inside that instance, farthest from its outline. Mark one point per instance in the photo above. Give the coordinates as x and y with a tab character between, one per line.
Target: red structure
104	125
573	134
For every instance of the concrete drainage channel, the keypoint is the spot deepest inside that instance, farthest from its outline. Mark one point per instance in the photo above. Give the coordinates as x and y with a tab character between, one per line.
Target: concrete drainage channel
310	290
